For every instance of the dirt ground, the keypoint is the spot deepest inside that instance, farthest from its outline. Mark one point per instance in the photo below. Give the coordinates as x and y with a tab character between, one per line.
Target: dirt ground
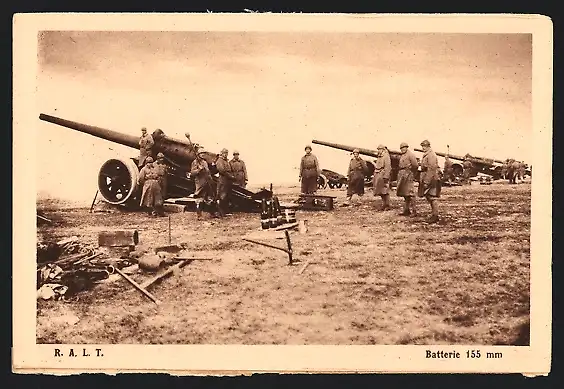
374	277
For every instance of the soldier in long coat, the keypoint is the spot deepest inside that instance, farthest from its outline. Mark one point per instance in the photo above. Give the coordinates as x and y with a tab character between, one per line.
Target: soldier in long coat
309	172
162	169
204	183
239	170
381	179
429	180
151	194
407	165
226	178
515	167
467	169
356	172
146	144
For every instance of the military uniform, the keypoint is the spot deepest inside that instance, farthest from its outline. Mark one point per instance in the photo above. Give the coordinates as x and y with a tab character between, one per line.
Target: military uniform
239	171
381	179
515	166
162	170
204	183
151	196
309	173
407	166
224	182
467	170
429	181
356	172
146	144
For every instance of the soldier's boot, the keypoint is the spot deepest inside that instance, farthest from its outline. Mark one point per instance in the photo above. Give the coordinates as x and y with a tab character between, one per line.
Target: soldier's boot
412	207
386	202
199	206
434	211
406	211
220	208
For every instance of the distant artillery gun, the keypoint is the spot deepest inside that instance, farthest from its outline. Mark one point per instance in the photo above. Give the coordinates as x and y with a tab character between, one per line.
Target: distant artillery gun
488	166
117	177
394	158
331	179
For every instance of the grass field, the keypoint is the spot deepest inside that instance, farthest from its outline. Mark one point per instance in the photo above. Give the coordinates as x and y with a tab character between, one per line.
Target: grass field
374	278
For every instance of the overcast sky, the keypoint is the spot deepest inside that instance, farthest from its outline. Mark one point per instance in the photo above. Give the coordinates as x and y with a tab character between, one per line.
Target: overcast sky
269	94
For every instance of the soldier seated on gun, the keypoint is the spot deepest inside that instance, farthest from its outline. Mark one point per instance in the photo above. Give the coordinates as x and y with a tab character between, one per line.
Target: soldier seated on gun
151	196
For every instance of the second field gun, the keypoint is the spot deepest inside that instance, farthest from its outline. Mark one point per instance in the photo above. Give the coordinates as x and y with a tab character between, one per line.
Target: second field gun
117	178
394	157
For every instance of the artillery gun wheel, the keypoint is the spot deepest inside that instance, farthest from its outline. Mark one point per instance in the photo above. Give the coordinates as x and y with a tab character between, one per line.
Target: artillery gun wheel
117	180
457	170
322	182
331	185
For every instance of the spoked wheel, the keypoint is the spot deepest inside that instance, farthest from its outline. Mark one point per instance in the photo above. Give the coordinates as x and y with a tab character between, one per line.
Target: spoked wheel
322	182
117	181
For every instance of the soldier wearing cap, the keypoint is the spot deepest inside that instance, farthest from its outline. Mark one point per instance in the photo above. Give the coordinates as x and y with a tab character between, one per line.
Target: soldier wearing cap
467	169
162	170
146	144
309	172
515	166
357	169
151	196
204	192
429	180
408	166
381	179
226	178
239	170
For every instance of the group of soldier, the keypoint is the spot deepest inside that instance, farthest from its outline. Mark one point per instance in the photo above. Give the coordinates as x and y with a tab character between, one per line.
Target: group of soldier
429	180
153	178
513	170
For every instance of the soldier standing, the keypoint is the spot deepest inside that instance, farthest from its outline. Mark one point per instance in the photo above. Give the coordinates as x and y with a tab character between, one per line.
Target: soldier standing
504	169
430	184
408	165
239	170
309	172
204	183
151	196
448	170
515	166
467	169
356	172
226	177
146	144
522	168
381	180
162	169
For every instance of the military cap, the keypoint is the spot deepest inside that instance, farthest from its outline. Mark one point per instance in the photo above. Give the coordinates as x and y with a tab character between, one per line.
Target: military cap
307	147
403	144
144	129
381	146
235	152
356	151
149	159
160	155
425	143
224	150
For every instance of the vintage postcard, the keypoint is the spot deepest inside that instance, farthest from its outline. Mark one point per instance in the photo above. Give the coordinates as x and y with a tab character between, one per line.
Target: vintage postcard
245	193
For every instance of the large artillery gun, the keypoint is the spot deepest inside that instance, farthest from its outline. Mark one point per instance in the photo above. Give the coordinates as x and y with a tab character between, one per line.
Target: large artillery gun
489	166
117	177
394	157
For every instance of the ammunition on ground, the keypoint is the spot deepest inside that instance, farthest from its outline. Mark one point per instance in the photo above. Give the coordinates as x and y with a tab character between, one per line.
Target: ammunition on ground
272	215
278	211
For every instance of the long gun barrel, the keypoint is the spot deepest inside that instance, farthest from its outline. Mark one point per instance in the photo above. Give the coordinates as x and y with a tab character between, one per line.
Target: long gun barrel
480	160
178	151
371	153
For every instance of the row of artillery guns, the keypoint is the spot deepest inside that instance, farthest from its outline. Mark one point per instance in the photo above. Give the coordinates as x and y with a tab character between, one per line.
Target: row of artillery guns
117	177
490	167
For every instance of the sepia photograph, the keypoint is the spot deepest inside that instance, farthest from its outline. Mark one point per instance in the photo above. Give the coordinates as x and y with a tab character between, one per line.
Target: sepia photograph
284	187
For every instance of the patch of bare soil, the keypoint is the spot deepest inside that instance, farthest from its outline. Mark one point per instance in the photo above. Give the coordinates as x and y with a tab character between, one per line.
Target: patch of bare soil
374	277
